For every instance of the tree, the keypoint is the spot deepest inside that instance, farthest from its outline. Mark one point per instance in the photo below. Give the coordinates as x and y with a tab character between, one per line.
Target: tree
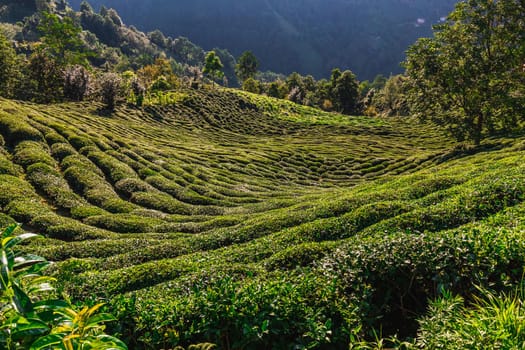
296	88
252	85
8	67
345	91
247	66
391	99
61	40
161	69
469	77
213	66
44	78
110	89
76	83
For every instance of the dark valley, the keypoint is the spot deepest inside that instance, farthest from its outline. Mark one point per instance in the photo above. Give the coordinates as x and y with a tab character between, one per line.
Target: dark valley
307	36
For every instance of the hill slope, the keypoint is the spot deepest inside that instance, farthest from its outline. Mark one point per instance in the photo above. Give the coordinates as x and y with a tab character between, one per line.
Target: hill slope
311	36
230	217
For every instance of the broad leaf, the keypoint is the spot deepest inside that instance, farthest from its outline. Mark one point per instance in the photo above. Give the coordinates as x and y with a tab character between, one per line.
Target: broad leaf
51	341
111	342
9	231
12	241
34	327
26	261
98	319
21	301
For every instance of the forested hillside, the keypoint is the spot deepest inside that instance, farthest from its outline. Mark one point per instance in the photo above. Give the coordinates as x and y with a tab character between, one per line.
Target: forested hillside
310	36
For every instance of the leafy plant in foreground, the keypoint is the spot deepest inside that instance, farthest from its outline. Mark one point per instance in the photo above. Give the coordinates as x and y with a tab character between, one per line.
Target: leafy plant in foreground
29	319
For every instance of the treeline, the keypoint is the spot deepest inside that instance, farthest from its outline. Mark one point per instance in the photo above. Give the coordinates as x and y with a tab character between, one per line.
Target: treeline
468	78
55	54
307	36
342	93
71	56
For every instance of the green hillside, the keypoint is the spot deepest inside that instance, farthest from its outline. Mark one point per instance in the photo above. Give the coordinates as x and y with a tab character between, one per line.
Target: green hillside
256	223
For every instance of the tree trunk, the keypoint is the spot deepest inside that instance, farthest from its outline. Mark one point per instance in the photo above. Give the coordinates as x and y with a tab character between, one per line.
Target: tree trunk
478	129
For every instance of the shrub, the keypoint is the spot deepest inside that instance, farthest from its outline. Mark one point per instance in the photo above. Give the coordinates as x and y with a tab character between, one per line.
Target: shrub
50	182
61	150
76	83
7	167
123	223
30	319
162	202
110	89
30	152
493	321
296	312
15	129
13	188
301	255
392	278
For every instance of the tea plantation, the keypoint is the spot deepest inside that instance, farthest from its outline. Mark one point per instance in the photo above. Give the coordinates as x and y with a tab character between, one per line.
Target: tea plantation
255	223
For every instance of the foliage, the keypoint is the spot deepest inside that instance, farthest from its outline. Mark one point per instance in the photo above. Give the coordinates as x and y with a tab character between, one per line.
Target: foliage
8	67
30	319
110	89
76	83
44	78
247	66
345	92
492	320
213	66
61	39
251	85
391	99
469	76
249	221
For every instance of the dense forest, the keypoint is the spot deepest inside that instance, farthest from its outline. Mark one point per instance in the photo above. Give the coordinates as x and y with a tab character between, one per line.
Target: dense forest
310	36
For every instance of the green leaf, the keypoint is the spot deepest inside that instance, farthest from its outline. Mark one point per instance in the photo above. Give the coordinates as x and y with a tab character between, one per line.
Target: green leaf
28	260
12	241
50	305
98	319
4	275
9	231
37	268
34	327
52	341
21	301
112	342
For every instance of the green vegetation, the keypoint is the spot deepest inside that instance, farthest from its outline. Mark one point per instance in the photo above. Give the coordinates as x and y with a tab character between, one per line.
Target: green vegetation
247	66
201	214
31	317
469	76
251	222
213	66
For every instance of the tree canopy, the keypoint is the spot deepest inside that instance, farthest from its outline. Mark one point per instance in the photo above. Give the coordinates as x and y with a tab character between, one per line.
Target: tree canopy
61	39
212	66
247	66
470	77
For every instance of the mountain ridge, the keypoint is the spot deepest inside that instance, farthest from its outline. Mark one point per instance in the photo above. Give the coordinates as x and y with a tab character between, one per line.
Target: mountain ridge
311	37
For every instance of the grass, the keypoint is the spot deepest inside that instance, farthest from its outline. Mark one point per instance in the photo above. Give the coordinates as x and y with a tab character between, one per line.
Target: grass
250	222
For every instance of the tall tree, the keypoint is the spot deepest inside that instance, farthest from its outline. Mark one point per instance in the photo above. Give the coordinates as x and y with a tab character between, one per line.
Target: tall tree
8	67
247	66
61	39
469	77
213	66
345	92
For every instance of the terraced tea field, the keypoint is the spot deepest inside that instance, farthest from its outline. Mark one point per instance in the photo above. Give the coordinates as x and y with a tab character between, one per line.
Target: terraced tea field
256	223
